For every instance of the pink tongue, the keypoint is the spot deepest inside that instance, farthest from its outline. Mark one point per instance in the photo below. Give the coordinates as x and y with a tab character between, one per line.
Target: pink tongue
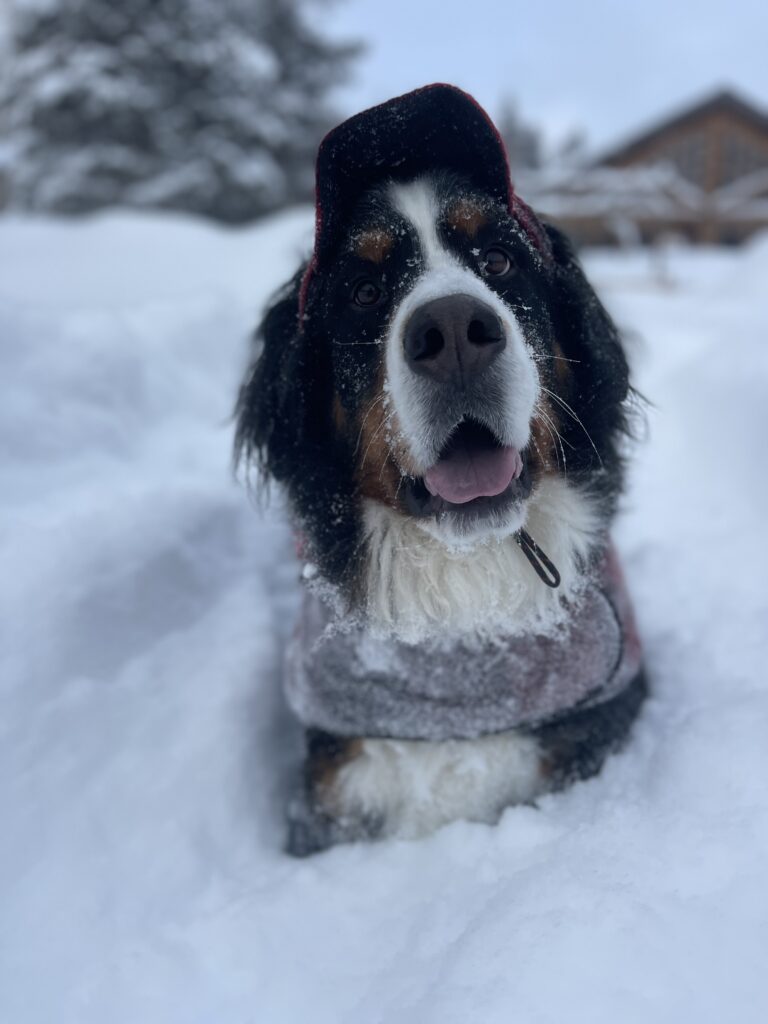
464	475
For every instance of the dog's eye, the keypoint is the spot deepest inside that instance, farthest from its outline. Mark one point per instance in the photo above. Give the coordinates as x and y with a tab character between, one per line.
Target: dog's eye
496	262
366	294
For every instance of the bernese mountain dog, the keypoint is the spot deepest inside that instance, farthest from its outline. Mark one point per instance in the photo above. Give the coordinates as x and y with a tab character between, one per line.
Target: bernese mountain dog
443	399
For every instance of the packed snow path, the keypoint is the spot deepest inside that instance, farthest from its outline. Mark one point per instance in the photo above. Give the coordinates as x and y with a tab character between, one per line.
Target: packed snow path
145	752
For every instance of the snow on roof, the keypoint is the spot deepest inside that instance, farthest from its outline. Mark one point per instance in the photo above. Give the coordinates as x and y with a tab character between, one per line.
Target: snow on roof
724	101
655	191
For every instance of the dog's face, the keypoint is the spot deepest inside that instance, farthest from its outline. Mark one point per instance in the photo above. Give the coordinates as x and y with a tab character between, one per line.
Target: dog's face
444	357
443	370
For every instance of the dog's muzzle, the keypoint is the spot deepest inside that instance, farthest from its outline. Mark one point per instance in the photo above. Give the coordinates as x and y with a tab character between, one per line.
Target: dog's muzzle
452	343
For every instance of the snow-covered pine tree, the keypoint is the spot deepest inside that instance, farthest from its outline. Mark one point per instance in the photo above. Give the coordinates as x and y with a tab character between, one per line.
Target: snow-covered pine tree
210	106
522	141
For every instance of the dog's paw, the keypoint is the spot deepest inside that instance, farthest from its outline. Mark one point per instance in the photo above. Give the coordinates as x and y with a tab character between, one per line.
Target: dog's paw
309	830
312	830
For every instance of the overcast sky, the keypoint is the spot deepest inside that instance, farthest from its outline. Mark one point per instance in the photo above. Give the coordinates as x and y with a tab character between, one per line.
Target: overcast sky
606	67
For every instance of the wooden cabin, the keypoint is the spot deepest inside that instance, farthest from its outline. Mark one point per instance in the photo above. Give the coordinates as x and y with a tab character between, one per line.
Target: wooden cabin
701	175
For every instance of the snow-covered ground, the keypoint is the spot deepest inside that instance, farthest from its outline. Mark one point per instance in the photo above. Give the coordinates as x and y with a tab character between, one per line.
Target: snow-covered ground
144	749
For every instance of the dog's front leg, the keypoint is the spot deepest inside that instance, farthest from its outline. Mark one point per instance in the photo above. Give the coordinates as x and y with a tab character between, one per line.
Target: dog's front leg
372	788
318	816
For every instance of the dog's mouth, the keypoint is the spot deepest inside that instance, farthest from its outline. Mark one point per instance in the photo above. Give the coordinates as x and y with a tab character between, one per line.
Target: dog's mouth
475	475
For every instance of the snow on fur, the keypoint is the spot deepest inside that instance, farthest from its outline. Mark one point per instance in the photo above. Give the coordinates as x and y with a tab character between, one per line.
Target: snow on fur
146	753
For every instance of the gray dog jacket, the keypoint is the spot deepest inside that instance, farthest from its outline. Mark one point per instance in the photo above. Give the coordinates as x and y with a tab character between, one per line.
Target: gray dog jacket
347	681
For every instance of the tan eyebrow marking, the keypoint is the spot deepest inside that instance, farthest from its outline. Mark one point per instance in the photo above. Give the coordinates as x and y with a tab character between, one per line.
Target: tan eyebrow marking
374	245
467	217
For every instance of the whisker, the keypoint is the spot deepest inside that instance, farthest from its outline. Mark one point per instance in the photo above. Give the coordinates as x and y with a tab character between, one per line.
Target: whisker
539	452
354	344
549	426
561	440
362	425
575	418
554	427
384	465
384	423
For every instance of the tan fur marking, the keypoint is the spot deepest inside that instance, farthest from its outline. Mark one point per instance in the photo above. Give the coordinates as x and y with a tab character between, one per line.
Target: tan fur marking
374	246
377	473
325	764
545	444
466	217
562	369
378	453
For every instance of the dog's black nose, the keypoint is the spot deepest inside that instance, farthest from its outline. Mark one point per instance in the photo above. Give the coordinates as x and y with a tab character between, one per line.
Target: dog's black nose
453	339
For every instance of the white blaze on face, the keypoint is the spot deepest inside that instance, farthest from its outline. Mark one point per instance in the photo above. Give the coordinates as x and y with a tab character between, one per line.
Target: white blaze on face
417	202
509	412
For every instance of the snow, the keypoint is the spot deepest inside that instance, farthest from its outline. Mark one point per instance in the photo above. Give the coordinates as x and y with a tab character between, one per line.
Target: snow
654	191
145	752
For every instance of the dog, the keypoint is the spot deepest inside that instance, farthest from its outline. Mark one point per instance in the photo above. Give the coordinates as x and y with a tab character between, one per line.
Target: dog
443	399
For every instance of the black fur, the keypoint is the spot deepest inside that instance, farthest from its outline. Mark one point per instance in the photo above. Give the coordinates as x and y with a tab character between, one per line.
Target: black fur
284	425
594	434
576	745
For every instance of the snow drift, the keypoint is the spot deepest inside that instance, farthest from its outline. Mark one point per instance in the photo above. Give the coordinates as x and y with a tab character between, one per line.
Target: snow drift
146	752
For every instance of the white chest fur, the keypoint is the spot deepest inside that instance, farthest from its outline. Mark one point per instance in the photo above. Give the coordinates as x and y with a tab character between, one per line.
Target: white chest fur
418	586
413	787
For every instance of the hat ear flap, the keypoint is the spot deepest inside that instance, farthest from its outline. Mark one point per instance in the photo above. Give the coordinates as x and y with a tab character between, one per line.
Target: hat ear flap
281	392
284	427
585	332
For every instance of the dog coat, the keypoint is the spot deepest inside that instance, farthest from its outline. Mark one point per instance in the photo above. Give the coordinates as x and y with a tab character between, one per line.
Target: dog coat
343	679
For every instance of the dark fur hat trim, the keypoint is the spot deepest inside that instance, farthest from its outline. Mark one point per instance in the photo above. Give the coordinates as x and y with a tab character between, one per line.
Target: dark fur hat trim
437	127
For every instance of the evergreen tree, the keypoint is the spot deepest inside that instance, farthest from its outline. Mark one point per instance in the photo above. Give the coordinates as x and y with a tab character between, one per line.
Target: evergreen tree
522	141
211	106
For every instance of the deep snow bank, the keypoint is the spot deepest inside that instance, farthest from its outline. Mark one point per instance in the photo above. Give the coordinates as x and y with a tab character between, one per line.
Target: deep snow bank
144	750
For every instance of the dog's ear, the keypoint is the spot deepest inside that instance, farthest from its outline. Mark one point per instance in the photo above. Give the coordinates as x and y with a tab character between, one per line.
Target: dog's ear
586	333
280	393
284	427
